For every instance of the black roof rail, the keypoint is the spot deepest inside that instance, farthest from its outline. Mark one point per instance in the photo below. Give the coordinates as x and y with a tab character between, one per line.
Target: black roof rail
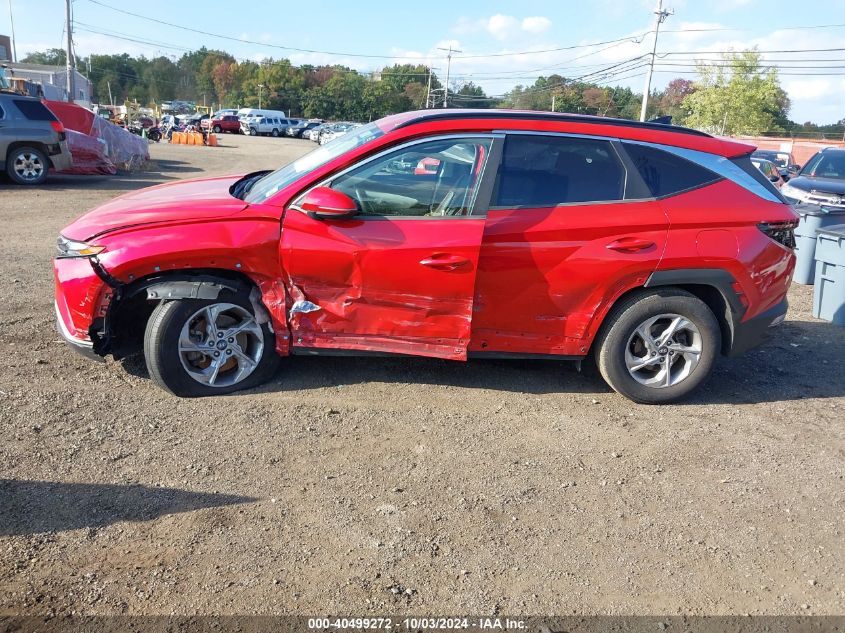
545	116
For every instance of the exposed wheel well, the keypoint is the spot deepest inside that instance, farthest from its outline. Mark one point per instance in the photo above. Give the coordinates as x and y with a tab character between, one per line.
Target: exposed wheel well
123	327
33	144
710	295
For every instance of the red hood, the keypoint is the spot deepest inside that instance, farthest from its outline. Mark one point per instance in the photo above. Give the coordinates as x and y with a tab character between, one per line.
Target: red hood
178	201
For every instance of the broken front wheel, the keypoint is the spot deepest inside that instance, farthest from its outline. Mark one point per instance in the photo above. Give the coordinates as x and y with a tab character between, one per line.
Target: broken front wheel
208	347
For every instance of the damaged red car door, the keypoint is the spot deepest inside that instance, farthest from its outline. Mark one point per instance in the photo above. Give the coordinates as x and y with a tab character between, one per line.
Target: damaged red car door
399	274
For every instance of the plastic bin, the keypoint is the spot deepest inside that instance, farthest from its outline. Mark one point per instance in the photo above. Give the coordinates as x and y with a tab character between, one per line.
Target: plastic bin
813	217
829	293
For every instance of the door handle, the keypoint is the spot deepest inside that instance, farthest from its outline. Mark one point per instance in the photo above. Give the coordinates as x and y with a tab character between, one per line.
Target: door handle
440	261
630	245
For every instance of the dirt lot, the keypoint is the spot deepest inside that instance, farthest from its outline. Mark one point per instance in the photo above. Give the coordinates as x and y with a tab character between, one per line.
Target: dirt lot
403	486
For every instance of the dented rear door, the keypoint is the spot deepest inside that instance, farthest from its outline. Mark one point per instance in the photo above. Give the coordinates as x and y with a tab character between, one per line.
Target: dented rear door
388	280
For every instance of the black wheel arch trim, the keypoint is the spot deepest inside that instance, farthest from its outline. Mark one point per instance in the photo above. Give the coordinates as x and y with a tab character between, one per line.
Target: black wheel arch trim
720	279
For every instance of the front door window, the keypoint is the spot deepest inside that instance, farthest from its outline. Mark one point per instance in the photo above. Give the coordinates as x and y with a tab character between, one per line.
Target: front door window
432	179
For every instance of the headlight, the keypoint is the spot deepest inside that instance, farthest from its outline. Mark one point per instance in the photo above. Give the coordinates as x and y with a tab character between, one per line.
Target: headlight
69	248
794	192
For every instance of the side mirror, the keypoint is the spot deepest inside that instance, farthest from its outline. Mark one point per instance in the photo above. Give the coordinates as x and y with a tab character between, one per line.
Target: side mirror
323	203
775	177
795	168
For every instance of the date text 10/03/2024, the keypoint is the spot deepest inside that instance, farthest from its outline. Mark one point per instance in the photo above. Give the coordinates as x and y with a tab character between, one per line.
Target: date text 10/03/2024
417	623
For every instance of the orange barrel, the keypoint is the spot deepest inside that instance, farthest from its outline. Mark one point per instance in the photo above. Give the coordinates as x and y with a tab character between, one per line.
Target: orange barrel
180	137
192	138
212	140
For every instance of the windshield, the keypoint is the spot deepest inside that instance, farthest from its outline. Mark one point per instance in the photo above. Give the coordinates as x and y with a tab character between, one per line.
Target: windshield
826	165
778	158
276	181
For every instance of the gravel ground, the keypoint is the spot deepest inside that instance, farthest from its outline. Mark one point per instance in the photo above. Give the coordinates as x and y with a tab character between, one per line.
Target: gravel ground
419	486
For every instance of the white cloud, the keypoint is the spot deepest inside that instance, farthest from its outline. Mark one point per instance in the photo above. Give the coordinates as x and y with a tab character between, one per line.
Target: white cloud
536	24
808	89
501	26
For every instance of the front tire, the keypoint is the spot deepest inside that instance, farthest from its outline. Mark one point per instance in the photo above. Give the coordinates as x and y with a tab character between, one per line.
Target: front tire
275	133
208	347
217	129
27	166
658	346
253	131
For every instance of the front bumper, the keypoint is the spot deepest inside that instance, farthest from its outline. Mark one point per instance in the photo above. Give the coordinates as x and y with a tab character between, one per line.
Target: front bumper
755	331
79	301
84	347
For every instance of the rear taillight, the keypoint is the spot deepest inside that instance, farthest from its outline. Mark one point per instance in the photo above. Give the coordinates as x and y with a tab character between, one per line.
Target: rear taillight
781	232
57	125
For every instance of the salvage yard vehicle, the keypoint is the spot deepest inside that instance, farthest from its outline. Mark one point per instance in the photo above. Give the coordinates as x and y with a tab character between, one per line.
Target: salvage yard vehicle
32	140
255	125
820	181
449	234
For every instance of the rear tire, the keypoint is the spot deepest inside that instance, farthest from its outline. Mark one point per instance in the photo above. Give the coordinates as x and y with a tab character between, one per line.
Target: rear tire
189	359
658	346
27	166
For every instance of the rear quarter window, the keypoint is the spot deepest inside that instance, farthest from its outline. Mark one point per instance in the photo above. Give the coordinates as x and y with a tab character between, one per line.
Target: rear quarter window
34	110
666	174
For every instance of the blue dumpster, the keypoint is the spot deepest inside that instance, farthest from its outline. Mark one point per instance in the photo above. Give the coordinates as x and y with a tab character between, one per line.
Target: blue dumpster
829	293
813	217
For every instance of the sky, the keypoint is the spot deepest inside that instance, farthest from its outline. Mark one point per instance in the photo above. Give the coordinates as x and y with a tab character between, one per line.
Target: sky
502	44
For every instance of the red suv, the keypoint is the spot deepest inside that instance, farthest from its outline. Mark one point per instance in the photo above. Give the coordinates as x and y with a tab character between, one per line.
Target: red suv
227	123
452	234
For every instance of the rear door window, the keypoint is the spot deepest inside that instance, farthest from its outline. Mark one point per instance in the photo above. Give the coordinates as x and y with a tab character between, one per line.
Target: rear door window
34	110
666	174
545	171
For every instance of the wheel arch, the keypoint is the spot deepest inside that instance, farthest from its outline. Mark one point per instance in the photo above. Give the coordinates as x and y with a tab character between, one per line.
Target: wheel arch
39	145
120	331
714	286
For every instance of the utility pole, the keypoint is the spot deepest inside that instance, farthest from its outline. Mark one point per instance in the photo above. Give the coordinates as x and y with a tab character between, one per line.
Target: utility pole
12	22
428	95
71	65
448	68
553	102
661	16
260	86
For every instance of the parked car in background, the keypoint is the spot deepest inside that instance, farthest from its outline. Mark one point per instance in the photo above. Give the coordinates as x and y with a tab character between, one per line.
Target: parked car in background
785	162
301	129
263	125
418	234
769	170
335	130
292	123
256	112
314	133
820	181
32	140
225	112
227	123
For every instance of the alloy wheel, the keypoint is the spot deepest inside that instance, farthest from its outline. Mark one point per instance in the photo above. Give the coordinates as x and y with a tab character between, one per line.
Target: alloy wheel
28	166
220	345
663	350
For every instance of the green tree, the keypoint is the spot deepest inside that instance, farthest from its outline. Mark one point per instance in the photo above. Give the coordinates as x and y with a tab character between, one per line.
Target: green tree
468	95
737	96
50	57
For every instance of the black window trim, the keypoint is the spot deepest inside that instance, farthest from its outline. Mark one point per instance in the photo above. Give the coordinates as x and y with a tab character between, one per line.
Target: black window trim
482	197
629	175
655	146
